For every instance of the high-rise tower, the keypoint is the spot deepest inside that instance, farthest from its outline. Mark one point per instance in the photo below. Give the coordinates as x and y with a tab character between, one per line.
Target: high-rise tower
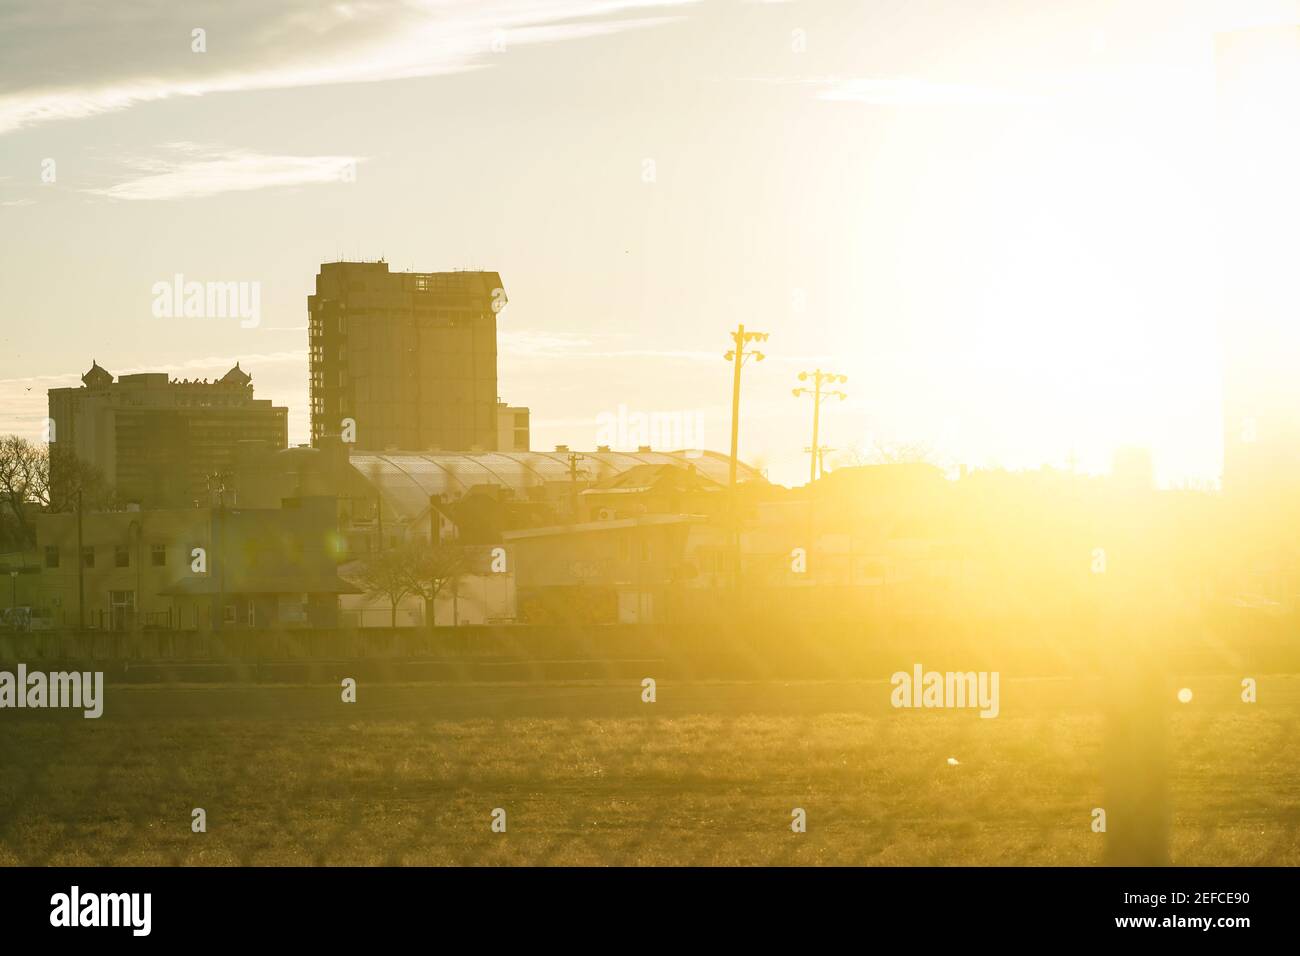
406	359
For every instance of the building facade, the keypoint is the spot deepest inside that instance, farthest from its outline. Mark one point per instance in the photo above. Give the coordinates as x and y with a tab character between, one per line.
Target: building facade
513	431
159	441
192	568
403	359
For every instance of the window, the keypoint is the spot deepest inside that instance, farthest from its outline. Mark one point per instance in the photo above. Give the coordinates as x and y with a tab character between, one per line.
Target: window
121	556
158	555
88	556
229	616
51	555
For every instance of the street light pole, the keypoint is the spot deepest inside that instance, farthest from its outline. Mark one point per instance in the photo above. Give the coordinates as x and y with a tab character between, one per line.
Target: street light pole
737	357
818	378
817	415
737	361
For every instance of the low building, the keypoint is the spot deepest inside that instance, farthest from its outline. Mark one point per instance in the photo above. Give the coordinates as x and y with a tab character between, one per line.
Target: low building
618	570
193	568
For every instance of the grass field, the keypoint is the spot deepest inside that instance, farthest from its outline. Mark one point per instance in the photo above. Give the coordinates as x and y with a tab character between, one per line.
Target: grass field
589	774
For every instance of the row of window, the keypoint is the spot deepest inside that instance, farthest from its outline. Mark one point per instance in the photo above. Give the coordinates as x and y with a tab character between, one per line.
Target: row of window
121	556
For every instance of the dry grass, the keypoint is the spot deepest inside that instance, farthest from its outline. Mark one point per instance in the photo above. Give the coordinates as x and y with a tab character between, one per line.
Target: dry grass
590	775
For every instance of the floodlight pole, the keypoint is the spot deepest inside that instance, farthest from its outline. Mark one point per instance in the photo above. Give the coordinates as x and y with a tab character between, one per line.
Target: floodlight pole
817	415
818	377
737	357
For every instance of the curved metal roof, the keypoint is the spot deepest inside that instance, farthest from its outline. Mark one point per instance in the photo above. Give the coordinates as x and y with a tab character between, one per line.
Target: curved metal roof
407	479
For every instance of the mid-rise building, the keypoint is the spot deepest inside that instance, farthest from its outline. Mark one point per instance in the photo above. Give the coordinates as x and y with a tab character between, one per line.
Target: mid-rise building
159	441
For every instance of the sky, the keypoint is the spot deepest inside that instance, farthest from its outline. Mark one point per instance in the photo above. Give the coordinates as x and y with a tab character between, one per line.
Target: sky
996	218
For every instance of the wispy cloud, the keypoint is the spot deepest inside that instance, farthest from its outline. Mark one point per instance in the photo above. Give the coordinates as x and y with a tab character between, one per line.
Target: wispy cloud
257	46
907	91
526	344
23	402
191	171
215	362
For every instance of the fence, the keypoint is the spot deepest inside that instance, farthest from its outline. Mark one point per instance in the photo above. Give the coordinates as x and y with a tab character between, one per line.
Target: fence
752	643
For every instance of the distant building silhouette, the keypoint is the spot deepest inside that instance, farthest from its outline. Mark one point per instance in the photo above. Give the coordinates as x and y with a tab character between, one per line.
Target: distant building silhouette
157	440
407	359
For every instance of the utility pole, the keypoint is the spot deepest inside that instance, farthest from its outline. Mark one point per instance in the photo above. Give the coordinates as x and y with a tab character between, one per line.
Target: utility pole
822	452
738	356
574	458
81	572
818	378
218	619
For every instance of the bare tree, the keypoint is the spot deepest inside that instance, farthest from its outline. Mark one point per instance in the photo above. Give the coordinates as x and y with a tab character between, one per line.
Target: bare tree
45	476
24	471
430	568
851	457
68	477
900	453
385	574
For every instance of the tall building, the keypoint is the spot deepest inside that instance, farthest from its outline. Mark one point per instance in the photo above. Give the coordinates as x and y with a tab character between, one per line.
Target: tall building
157	440
404	360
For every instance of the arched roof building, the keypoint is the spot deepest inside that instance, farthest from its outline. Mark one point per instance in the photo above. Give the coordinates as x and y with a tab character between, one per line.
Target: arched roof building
406	480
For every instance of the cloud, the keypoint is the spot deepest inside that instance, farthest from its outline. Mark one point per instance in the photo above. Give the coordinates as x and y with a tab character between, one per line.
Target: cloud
906	91
193	171
111	61
525	344
23	405
219	362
